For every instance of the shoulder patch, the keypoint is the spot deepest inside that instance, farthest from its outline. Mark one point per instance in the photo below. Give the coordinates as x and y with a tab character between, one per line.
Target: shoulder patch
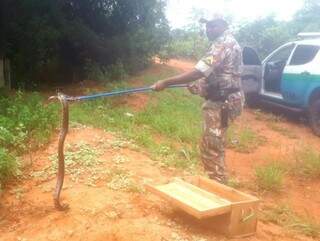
208	60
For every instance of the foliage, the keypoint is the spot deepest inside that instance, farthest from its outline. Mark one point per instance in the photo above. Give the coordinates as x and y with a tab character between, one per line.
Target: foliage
308	163
264	34
307	19
243	139
185	44
105	74
49	40
270	177
8	166
162	126
284	216
25	123
189	42
267	34
80	159
24	117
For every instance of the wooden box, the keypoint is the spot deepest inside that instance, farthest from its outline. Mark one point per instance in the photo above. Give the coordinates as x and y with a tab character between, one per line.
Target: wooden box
224	209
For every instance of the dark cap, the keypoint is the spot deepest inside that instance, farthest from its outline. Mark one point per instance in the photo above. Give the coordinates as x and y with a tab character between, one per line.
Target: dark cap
214	22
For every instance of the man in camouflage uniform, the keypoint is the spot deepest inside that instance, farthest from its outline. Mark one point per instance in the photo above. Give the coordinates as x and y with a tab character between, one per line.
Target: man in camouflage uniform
217	79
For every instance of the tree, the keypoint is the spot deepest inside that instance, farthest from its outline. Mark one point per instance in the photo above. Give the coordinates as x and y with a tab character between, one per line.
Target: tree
264	35
267	34
307	19
62	36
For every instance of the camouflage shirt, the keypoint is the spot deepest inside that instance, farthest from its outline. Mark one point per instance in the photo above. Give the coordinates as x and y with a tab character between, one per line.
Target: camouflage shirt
222	63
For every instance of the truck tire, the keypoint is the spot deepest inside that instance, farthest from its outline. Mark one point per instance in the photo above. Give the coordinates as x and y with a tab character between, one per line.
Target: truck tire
314	116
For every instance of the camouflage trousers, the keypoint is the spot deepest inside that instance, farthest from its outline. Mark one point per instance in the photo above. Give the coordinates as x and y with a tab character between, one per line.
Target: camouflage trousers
214	136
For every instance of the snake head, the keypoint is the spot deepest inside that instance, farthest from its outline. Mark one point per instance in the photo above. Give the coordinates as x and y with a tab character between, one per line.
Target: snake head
60	96
51	98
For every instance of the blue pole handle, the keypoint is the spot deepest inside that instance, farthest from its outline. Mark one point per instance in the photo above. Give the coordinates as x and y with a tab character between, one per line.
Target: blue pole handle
120	92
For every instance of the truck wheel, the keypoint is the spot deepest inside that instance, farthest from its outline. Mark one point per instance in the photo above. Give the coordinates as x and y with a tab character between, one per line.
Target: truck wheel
314	116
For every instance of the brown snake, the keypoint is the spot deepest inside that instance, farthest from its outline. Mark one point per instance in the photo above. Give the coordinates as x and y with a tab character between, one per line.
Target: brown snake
65	126
61	165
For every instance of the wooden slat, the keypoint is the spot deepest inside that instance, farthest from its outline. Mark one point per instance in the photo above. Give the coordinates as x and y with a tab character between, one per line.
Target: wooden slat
192	199
212	197
235	211
223	191
174	201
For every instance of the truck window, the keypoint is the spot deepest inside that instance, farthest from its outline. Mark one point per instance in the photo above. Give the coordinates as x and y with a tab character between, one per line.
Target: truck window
304	54
250	57
282	54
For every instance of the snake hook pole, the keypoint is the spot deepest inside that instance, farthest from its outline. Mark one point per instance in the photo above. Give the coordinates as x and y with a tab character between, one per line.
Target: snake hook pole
64	101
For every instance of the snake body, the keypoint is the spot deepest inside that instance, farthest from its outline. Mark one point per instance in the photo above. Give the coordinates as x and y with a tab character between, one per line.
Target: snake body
64	100
61	165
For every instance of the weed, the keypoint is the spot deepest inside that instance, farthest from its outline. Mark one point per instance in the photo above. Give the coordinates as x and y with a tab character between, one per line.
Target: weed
80	159
100	73
268	117
190	46
307	162
119	159
24	117
25	123
172	115
121	181
243	140
8	165
270	177
234	183
282	130
284	216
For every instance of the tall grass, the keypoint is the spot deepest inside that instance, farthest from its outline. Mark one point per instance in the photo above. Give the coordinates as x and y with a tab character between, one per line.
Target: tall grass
308	163
243	139
170	120
284	216
25	123
270	177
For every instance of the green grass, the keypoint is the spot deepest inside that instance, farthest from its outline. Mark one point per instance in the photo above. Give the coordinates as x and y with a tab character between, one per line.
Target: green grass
243	139
171	121
8	166
270	177
307	163
80	159
284	216
25	123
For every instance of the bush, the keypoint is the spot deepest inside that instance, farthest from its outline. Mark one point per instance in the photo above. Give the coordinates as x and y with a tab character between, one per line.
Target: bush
8	165
23	117
270	177
131	31
24	123
284	216
185	44
244	139
105	74
308	163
